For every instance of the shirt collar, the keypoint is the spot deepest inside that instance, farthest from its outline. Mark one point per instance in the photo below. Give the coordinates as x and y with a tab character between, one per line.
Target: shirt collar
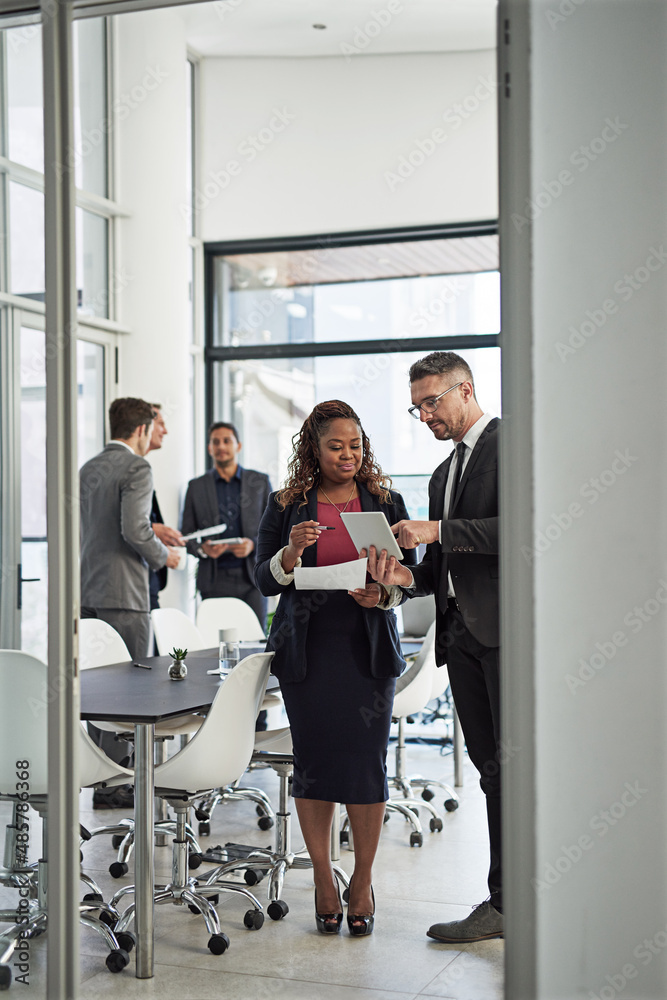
217	476
116	441
472	436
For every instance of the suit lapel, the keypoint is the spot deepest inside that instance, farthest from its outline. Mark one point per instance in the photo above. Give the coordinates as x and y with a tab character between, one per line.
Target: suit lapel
473	460
212	500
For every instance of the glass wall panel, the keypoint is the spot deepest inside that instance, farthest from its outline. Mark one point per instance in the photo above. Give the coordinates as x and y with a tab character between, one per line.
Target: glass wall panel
26	234
91	120
25	139
92	243
268	401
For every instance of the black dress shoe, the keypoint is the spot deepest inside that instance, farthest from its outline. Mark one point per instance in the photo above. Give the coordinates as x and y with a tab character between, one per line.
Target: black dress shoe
114	798
361	924
329	923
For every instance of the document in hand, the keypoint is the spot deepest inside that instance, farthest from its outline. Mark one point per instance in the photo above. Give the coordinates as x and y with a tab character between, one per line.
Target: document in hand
340	576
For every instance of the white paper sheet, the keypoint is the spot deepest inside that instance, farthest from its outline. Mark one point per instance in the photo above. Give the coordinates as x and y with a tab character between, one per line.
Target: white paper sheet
340	576
217	529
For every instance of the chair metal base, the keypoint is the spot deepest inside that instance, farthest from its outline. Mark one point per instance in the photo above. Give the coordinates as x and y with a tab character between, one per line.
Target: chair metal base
275	863
185	890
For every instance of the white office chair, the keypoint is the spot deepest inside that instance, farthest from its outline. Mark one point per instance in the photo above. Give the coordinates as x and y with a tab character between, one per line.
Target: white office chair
24	697
215	756
173	628
99	646
418	615
414	690
227	612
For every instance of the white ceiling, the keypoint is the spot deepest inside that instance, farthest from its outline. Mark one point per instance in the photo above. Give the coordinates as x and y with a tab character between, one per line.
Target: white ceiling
353	27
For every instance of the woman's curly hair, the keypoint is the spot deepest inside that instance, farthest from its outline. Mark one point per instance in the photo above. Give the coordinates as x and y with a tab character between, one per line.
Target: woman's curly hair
303	471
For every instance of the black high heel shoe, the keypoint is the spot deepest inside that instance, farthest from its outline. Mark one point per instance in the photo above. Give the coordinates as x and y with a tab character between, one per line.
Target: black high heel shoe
329	923
361	924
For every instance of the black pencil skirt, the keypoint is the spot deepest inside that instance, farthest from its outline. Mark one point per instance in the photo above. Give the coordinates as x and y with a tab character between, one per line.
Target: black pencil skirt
340	714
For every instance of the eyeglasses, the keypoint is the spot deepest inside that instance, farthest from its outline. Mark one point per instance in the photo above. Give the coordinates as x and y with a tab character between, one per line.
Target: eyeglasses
430	405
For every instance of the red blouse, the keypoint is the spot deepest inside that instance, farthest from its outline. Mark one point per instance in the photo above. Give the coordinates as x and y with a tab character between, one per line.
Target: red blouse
335	546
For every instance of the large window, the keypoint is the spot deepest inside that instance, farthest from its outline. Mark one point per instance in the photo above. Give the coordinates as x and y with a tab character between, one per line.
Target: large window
292	327
22	377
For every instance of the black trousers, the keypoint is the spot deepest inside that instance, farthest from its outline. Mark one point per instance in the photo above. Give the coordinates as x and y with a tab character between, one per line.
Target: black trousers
474	676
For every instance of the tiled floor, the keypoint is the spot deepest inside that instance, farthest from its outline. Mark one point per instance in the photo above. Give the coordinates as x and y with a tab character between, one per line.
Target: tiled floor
288	959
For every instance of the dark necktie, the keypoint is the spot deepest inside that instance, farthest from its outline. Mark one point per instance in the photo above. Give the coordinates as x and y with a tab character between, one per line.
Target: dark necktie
460	456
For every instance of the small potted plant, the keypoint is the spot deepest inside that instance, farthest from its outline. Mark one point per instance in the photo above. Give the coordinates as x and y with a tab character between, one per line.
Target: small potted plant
178	668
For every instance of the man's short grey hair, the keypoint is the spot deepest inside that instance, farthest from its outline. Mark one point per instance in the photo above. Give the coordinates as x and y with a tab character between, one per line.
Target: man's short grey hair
442	363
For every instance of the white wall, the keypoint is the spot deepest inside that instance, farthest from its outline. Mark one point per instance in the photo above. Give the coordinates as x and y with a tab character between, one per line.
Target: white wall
349	124
589	343
153	243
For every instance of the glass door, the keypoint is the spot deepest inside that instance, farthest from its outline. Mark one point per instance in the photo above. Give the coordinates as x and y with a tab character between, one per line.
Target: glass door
24	583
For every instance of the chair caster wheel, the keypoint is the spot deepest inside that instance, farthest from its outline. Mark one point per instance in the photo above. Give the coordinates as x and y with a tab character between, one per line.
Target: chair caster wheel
116	840
344	837
204	828
118	869
117	960
108	919
427	795
194	861
202	815
126	940
93	897
218	944
265	822
416	840
413	809
451	805
435	825
386	817
193	909
259	810
346	894
277	909
253	876
5	977
253	919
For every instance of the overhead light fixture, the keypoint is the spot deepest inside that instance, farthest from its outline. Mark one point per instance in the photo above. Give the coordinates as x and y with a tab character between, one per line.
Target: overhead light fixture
320	27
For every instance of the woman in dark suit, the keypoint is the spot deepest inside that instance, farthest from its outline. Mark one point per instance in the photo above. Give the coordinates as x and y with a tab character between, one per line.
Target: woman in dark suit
337	653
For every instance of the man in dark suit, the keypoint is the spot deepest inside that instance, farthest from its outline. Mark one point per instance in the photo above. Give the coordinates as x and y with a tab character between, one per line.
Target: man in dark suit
227	494
461	568
157	579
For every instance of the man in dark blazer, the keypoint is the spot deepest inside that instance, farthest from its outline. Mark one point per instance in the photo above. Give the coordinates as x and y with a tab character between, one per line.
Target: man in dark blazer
227	494
461	568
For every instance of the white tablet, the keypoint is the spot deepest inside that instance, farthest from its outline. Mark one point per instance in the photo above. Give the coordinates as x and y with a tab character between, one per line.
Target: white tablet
367	528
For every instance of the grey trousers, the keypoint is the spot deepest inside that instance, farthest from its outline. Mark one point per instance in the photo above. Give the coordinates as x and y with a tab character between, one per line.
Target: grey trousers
134	627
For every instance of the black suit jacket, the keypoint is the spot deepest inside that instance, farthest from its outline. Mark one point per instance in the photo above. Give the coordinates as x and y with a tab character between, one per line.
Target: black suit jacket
200	510
156	518
289	627
469	544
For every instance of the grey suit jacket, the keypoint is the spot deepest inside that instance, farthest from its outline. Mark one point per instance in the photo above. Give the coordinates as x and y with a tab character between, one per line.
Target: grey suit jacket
469	546
200	510
118	544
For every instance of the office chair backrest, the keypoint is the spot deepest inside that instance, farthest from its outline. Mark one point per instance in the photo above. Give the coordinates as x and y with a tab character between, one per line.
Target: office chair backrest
173	628
100	644
413	688
24	698
220	752
227	612
418	615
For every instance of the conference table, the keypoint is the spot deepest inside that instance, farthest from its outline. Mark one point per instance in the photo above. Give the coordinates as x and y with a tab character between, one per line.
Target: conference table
142	698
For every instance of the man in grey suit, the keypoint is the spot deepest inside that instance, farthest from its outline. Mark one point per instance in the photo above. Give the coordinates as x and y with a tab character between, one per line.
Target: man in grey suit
461	568
118	544
227	494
